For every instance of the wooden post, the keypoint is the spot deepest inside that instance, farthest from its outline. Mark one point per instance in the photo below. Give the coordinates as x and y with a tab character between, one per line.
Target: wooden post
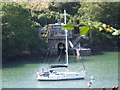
77	52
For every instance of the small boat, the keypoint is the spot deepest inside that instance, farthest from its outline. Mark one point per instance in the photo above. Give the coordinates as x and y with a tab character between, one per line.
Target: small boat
53	75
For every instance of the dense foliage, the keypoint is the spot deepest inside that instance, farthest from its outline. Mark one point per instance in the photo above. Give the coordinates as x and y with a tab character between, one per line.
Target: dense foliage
19	34
96	33
99	21
106	12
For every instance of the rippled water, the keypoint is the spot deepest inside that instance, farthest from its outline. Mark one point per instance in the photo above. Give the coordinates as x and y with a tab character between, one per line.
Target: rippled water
22	73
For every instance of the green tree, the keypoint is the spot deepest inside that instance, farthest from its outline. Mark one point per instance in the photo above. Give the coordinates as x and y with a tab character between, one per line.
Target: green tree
97	33
42	19
18	30
107	12
71	7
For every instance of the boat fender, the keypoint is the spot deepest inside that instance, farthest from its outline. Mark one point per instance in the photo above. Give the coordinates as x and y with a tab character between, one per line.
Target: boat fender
38	73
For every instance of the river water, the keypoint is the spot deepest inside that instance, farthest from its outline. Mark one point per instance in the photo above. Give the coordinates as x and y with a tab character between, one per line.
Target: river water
22	73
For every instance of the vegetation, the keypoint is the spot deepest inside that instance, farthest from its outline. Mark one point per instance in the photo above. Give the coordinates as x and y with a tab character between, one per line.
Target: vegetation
107	15
21	23
19	34
106	12
96	33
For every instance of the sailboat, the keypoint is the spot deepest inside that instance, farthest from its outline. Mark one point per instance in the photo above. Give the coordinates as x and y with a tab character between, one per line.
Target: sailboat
53	75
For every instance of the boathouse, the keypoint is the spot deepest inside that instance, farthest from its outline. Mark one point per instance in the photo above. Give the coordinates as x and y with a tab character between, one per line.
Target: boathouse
56	40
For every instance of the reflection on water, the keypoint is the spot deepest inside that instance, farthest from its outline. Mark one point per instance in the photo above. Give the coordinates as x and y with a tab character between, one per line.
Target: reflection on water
22	73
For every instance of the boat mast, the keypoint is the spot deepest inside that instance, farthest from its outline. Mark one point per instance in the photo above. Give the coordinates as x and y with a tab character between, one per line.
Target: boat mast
66	40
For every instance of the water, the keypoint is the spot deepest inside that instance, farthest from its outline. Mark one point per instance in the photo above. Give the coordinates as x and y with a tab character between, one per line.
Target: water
22	73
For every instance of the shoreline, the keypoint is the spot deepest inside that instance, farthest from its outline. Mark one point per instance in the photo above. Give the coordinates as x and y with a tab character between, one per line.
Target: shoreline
44	53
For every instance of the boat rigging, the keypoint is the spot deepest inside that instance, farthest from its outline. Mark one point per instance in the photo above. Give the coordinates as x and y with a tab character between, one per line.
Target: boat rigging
66	75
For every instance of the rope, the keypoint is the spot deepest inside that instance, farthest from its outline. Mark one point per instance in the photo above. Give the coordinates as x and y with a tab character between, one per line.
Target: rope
83	65
78	69
89	74
51	51
48	54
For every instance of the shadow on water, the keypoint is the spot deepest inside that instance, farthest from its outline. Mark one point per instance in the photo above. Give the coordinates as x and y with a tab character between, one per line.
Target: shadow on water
51	60
21	62
96	52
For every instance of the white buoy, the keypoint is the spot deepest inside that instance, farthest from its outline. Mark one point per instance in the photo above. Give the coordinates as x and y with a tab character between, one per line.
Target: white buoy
93	77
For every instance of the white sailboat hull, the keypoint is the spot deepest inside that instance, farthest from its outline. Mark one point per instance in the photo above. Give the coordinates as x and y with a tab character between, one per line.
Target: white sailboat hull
61	76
